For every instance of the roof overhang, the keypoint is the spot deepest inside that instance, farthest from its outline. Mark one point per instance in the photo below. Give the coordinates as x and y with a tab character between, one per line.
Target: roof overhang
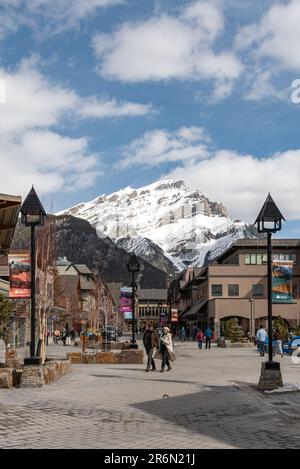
194	311
9	210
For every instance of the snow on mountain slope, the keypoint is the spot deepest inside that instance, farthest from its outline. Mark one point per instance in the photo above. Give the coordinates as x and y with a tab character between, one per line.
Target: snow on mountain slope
164	219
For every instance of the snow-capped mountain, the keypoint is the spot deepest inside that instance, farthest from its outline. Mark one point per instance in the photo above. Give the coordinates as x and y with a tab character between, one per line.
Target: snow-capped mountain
165	220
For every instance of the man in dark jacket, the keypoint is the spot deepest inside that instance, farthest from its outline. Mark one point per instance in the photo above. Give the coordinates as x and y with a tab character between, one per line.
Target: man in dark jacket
151	341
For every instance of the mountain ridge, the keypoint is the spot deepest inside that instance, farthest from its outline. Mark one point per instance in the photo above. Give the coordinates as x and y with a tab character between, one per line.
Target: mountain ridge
166	223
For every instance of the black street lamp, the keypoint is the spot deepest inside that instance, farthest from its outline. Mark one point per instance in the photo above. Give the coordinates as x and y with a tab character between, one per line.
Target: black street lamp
133	266
269	221
33	214
160	313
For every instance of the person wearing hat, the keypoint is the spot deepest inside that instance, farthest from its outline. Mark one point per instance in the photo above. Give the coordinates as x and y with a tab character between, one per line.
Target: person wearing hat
166	349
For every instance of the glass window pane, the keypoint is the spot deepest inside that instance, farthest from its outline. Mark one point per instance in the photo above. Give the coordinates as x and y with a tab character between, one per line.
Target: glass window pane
265	258
247	258
257	290
259	259
216	290
233	290
253	259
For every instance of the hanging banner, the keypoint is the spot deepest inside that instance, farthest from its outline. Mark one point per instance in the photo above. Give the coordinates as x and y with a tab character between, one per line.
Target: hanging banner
126	302
174	315
19	276
282	275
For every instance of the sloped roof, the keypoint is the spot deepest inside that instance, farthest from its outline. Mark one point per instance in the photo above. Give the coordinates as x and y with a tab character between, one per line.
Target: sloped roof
66	270
32	203
82	269
152	294
68	283
9	210
269	211
86	284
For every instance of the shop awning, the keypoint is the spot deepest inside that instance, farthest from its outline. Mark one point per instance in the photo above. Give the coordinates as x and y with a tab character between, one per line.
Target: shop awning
195	311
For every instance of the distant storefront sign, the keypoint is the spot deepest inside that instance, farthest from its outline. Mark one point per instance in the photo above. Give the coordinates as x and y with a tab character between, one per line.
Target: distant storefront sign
20	276
126	302
128	315
282	275
174	315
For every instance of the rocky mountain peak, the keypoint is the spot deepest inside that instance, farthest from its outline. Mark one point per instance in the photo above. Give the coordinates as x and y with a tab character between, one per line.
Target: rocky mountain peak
165	218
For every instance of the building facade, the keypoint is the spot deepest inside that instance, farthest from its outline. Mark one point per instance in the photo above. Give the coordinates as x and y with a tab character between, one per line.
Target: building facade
235	286
153	307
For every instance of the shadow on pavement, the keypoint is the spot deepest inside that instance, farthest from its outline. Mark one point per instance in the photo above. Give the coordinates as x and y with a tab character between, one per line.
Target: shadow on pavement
229	415
145	379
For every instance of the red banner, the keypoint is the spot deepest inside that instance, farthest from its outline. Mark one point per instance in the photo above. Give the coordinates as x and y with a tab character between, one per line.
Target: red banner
174	315
20	276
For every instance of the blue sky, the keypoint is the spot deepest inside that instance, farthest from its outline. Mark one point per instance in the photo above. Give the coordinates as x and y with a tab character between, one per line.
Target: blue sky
102	94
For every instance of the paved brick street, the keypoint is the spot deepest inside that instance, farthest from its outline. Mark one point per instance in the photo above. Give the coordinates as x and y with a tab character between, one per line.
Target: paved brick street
209	402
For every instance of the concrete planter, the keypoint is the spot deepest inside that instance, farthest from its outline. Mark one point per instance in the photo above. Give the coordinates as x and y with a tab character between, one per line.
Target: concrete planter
129	357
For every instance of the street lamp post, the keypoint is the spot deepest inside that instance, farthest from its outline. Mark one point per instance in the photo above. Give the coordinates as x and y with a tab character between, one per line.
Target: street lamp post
133	266
160	313
269	221
252	317
33	214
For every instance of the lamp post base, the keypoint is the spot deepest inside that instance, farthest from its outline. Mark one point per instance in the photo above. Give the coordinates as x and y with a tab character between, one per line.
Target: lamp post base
33	361
270	377
134	346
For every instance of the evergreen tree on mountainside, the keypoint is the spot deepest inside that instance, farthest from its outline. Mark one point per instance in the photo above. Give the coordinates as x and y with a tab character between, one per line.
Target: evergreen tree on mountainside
78	241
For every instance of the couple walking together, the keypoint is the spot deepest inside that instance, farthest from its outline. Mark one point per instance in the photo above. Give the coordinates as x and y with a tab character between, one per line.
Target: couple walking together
164	345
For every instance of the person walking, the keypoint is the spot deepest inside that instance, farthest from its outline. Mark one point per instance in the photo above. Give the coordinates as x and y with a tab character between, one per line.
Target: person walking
200	337
208	335
261	337
166	349
182	334
278	342
195	331
68	335
150	341
63	336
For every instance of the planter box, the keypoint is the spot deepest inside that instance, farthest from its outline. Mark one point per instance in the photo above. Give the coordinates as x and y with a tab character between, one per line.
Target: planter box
241	344
74	357
88	358
130	357
105	358
6	378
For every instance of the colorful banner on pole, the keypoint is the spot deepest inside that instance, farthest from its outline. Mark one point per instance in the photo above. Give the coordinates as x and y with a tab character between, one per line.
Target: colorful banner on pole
20	276
174	315
126	302
282	275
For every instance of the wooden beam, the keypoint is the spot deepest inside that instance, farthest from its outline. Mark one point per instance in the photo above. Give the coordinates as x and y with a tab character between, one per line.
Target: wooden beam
6	227
4	204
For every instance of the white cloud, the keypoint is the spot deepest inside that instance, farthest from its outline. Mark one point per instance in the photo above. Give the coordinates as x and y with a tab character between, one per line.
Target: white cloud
56	15
168	47
261	87
276	36
94	107
160	146
242	182
31	148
